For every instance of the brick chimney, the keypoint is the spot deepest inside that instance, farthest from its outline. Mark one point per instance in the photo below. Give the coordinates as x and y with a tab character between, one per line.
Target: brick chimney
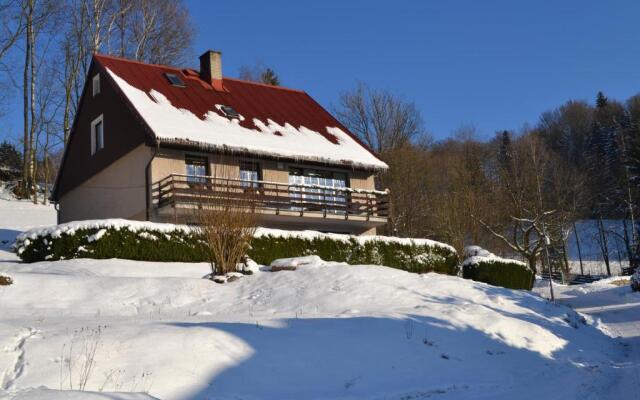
211	68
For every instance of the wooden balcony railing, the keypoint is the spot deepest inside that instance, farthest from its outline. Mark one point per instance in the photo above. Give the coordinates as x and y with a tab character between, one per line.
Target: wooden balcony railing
177	189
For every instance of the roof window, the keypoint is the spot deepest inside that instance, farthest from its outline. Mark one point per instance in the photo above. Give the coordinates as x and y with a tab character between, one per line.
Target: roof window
174	79
230	112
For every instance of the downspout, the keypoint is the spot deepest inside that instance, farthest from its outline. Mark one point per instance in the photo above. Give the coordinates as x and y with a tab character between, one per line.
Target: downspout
147	179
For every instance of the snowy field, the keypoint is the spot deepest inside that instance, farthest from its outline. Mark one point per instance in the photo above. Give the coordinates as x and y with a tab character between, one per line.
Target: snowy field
119	329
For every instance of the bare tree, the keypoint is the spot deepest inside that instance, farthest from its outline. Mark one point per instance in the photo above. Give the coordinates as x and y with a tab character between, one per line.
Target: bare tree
12	24
157	31
521	170
381	119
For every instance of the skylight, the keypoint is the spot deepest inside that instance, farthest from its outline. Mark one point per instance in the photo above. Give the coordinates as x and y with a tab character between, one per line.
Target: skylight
230	112
174	79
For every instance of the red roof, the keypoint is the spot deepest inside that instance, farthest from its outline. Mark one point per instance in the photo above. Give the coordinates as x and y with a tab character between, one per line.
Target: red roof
251	99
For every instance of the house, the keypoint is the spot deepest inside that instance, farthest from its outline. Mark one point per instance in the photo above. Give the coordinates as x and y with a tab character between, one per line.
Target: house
149	142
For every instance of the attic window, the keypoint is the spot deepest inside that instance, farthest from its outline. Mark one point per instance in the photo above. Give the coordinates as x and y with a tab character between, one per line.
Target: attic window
96	84
174	79
230	112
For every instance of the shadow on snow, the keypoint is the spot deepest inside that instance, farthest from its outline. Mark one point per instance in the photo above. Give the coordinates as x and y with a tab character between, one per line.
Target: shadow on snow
410	356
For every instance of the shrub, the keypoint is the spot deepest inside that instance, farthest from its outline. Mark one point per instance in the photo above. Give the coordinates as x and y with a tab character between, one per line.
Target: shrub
5	280
483	266
146	241
635	281
413	255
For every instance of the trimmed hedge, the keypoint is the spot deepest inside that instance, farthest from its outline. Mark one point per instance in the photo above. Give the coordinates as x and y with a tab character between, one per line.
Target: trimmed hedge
510	274
141	242
419	258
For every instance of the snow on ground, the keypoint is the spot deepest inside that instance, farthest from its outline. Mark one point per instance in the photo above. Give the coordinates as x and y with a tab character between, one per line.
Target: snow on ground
325	331
18	216
592	260
616	310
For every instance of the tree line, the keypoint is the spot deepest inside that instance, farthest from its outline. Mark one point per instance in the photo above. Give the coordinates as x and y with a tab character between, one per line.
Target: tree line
509	193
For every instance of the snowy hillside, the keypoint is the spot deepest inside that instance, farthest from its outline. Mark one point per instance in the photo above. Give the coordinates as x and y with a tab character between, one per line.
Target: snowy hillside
325	331
592	260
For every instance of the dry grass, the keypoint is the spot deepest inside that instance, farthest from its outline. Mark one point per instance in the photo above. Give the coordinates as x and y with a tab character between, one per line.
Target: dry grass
5	280
620	282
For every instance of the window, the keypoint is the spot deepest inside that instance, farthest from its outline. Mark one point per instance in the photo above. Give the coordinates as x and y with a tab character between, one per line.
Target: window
174	80
96	84
97	135
334	198
197	169
230	112
249	174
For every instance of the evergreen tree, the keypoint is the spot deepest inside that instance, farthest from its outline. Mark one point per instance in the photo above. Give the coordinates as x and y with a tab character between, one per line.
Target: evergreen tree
10	161
269	77
505	154
601	100
633	155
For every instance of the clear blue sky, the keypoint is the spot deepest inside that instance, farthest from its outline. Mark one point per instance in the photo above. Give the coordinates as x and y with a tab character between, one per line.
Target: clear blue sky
496	64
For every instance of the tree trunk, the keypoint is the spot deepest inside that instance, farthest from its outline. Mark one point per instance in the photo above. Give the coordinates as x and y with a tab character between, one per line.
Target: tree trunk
575	232
32	128
532	260
603	244
26	153
45	167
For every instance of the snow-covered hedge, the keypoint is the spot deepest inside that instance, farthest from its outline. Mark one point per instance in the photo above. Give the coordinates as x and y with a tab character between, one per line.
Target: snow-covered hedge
484	266
118	238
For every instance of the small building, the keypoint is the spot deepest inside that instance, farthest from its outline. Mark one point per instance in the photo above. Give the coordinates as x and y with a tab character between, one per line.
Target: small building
151	142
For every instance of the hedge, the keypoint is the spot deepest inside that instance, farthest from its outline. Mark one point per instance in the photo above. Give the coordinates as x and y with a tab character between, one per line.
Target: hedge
146	241
488	268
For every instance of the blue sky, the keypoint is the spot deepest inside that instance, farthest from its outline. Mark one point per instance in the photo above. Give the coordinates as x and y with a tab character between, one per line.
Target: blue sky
496	64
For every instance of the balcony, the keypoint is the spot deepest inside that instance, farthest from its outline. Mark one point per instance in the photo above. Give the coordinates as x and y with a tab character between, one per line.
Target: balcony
282	205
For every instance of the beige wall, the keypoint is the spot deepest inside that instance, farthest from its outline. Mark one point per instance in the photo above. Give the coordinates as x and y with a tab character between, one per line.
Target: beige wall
170	161
361	180
117	191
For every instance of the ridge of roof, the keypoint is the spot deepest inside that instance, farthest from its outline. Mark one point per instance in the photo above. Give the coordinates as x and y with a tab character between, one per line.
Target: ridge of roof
181	69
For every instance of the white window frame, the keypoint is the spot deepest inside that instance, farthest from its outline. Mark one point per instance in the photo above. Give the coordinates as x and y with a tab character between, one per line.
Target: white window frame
93	134
95	85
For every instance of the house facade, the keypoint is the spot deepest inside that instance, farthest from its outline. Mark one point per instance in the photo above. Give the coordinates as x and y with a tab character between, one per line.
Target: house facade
153	142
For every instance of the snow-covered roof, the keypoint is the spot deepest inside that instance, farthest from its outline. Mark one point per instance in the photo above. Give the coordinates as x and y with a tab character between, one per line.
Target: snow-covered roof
274	122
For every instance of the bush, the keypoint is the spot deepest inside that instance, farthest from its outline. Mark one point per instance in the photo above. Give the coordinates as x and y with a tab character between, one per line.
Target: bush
5	280
418	256
635	281
483	266
146	241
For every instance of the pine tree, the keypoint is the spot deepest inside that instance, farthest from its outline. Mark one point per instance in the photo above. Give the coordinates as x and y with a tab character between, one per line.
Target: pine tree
505	154
632	157
269	77
10	161
601	100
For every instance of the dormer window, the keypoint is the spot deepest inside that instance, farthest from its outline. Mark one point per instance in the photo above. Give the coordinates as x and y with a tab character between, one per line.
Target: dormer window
174	80
230	112
96	85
